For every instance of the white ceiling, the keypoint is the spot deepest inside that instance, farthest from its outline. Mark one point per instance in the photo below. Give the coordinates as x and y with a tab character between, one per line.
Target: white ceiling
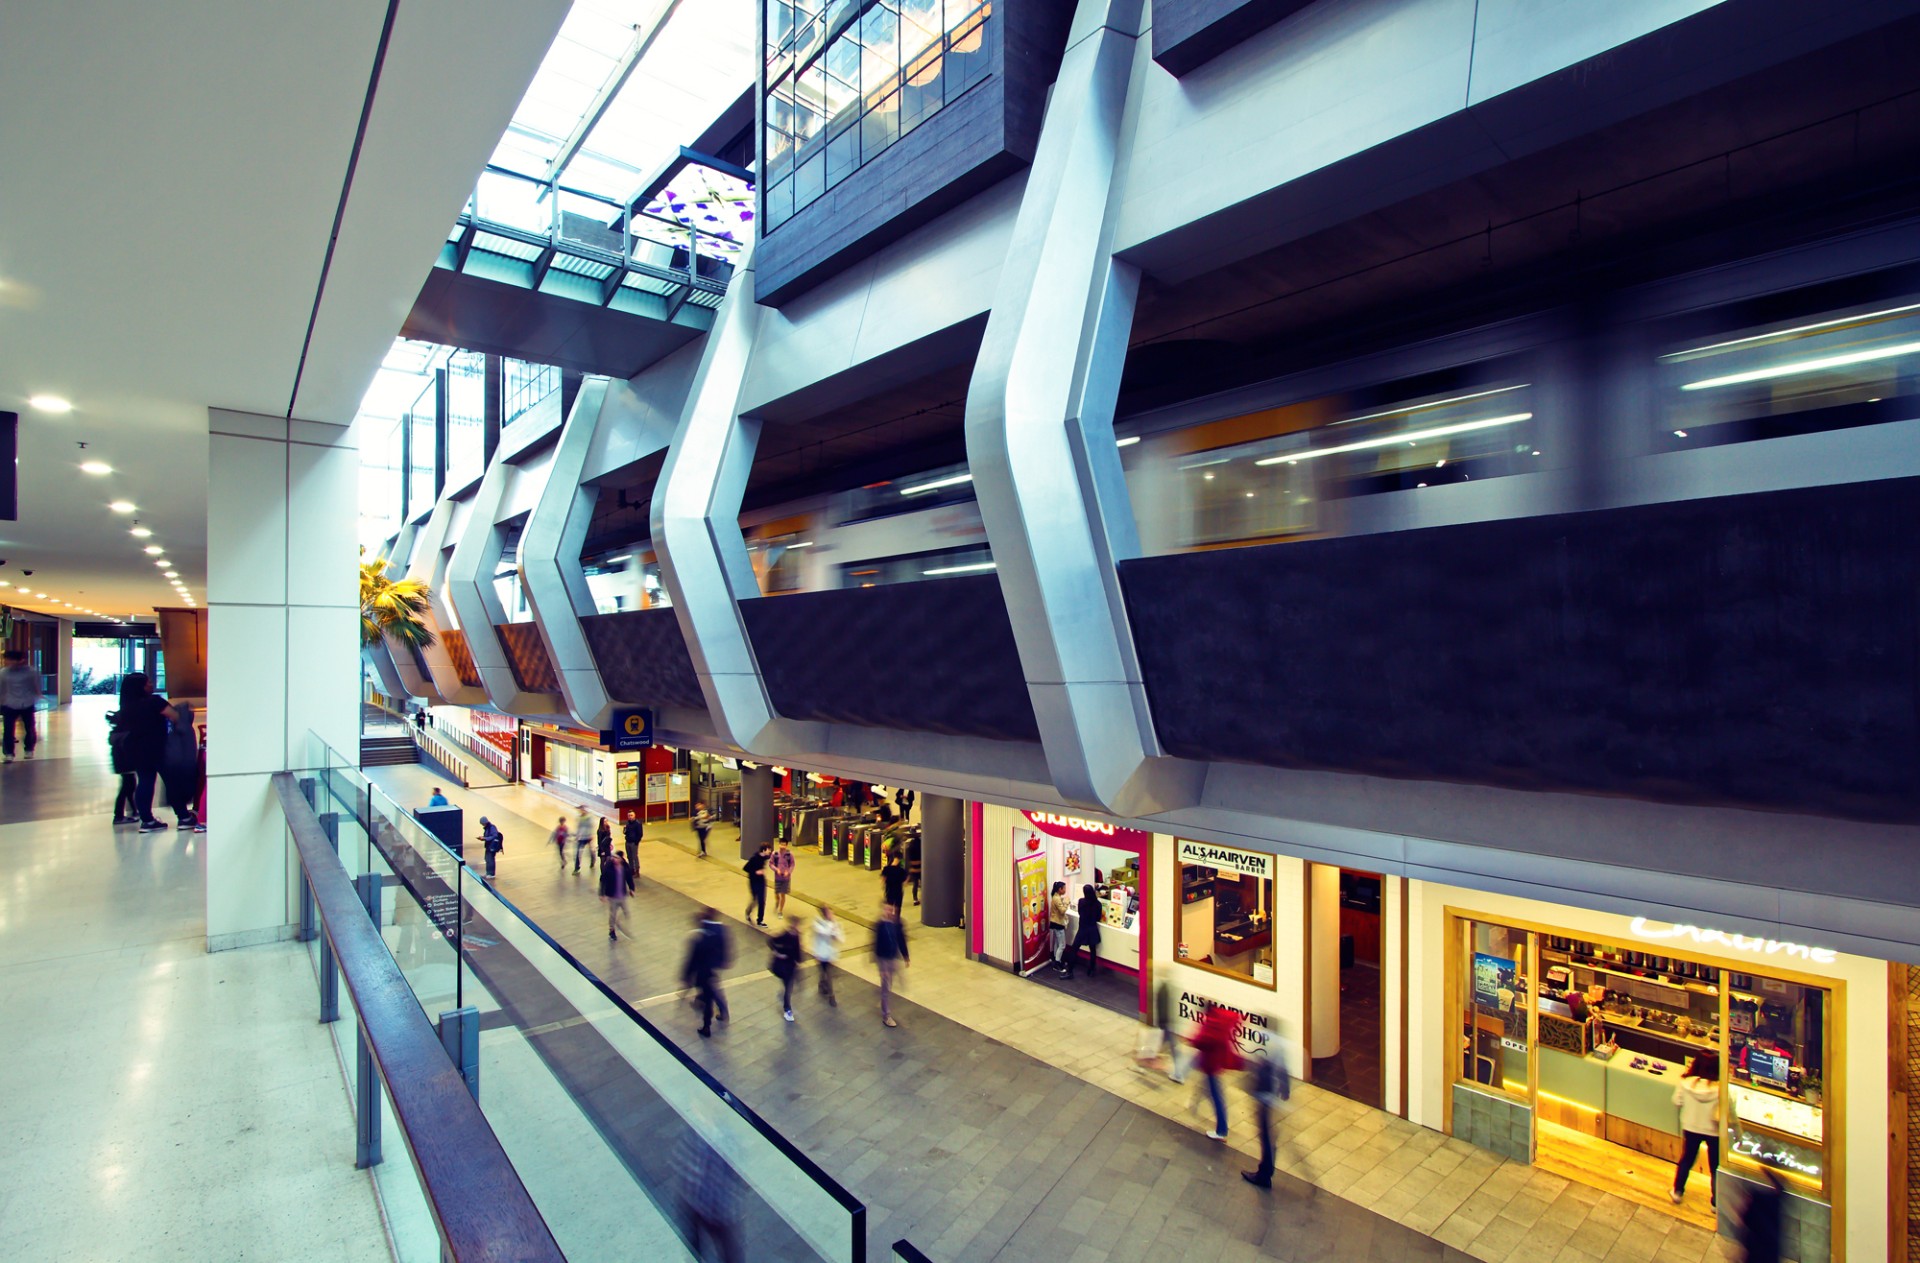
169	176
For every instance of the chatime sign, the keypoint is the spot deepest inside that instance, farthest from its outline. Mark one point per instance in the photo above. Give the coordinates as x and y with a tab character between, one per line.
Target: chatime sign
1643	928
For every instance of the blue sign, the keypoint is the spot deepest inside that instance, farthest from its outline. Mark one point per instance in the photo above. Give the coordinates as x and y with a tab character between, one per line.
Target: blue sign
632	729
1491	975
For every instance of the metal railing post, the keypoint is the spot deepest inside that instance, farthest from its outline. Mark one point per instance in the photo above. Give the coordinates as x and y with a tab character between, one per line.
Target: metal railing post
460	1036
329	982
366	1140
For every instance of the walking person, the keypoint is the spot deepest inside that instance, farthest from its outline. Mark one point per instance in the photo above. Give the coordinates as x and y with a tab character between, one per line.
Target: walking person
560	837
19	698
1698	1098
1057	924
826	950
493	841
582	838
1216	1051
890	954
141	724
756	871
913	865
631	831
616	883
603	841
781	863
785	964
180	766
708	952
1087	934
120	752
702	825
1759	1229
903	798
893	877
1268	1083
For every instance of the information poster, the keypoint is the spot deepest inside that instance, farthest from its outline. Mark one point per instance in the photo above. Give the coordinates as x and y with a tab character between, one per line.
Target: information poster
1491	975
656	787
1030	895
627	781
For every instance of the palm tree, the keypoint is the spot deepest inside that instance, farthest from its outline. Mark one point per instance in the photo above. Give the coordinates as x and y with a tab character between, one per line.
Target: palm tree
392	607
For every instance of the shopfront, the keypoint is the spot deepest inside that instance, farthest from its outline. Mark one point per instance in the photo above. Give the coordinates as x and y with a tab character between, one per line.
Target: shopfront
574	763
1560	1036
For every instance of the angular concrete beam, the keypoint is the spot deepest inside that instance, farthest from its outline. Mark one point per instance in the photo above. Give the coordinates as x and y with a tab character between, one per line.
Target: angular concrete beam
476	603
428	564
556	530
1040	440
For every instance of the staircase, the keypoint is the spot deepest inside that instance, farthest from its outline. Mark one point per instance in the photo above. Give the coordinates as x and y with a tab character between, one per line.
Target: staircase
386	751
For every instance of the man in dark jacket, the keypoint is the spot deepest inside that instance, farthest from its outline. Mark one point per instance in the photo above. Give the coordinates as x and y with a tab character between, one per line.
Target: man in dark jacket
615	886
889	953
631	830
708	952
493	840
756	870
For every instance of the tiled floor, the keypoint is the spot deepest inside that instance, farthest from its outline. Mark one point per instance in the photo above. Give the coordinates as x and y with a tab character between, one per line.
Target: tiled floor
1005	1120
161	1103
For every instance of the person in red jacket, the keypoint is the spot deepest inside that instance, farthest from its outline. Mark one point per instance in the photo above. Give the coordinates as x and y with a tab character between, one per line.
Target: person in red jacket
1216	1048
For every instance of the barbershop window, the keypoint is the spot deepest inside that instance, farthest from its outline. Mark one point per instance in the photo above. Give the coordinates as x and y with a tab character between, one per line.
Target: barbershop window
1224	922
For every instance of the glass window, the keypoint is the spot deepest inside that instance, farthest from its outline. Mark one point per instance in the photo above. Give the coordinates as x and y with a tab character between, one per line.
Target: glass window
1495	1050
530	392
1776	1074
1224	920
947	563
422	425
466	416
1801	375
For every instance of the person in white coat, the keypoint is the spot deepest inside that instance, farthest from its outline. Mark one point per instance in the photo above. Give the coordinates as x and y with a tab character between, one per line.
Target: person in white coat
1698	1098
824	944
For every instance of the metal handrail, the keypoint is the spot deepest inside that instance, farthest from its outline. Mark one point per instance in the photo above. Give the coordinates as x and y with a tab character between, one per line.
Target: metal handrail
481	1208
907	1252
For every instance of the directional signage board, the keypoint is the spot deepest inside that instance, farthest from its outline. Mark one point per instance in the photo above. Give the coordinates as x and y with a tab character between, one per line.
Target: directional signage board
632	729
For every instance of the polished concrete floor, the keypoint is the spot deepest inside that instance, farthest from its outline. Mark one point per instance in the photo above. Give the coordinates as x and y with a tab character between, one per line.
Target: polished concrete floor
160	1103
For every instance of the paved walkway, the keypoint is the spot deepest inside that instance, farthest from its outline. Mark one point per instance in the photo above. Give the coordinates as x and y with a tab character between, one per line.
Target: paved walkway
161	1103
1005	1120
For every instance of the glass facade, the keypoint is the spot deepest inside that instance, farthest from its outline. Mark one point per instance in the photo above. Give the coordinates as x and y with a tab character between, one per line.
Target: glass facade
466	416
844	82
1224	920
422	426
1495	1037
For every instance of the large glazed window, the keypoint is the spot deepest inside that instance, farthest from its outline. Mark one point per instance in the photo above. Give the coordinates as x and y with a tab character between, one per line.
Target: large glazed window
466	416
845	80
1224	920
1821	369
1279	473
1776	1075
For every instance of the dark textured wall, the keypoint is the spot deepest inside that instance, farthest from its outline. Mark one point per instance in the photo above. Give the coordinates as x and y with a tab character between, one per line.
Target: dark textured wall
973	142
461	657
1187	34
527	658
1751	650
643	658
936	656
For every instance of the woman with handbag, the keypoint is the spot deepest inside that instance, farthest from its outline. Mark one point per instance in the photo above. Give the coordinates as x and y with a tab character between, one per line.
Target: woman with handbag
1088	935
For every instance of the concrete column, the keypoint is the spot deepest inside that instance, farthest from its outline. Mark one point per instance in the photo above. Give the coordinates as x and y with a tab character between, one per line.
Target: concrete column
283	650
63	661
943	852
756	808
1323	893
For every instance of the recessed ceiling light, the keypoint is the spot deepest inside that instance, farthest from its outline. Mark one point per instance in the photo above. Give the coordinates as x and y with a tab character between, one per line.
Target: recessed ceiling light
173	574
161	562
50	403
123	506
140	532
154	550
40	594
5	584
96	468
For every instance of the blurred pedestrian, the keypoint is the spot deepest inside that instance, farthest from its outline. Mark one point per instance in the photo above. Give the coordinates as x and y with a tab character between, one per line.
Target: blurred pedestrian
616	883
1759	1230
708	952
702	825
437	799
1268	1083
19	698
781	862
785	964
890	954
582	838
913	862
1057	924
1216	1051
756	870
826	950
893	876
709	1198
903	798
561	836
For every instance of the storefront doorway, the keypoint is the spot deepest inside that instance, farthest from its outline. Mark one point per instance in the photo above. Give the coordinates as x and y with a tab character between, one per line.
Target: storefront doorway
1589	1038
1356	1068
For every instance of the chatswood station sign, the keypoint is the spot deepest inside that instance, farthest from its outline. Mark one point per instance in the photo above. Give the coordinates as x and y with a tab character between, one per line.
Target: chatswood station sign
1657	930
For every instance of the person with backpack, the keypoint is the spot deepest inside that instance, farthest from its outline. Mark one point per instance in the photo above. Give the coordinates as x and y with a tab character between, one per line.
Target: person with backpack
493	840
1216	1051
785	963
180	766
708	952
1267	1082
